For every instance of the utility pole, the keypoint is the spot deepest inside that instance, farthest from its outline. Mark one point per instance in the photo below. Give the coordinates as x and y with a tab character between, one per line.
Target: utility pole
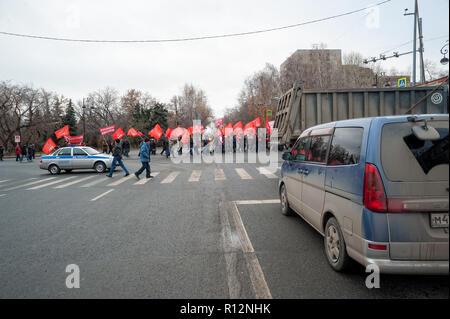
414	45
84	120
422	67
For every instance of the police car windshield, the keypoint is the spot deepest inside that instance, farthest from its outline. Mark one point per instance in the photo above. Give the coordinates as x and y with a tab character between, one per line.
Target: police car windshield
90	151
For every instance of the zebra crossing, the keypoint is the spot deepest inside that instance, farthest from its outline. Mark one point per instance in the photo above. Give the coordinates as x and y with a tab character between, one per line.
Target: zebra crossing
194	176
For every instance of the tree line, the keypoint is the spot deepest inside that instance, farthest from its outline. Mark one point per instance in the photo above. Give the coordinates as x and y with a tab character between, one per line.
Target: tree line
35	114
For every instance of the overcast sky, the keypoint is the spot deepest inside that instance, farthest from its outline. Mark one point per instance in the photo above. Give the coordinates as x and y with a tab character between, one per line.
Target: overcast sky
218	66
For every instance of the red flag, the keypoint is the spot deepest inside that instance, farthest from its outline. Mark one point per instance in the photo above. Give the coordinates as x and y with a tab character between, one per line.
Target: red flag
156	132
177	132
250	128
117	135
132	132
237	125
219	122
62	132
169	132
190	130
219	132
48	146
257	122
74	139
108	129
139	133
185	137
268	128
198	129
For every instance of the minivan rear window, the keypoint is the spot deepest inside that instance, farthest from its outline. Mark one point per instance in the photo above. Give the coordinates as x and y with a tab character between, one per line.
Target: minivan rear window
406	159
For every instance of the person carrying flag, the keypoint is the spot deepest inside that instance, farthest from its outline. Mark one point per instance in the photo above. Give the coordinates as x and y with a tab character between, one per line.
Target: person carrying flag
117	153
144	154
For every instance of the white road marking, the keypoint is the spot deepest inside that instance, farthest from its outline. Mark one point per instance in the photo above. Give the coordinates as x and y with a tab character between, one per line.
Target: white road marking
243	173
264	171
28	184
260	287
100	179
219	175
51	183
169	179
195	176
255	202
1	195
101	195
121	180
145	180
74	182
5	180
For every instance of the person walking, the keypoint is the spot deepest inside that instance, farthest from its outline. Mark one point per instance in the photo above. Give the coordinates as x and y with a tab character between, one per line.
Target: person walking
18	152
24	152
117	153
144	155
1	152
30	153
126	148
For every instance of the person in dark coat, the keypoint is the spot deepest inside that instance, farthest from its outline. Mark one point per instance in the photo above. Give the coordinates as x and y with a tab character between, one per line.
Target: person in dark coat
1	152
117	153
153	146
24	152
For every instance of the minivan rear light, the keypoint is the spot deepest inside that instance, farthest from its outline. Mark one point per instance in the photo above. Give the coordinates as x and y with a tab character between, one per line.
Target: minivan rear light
374	194
377	247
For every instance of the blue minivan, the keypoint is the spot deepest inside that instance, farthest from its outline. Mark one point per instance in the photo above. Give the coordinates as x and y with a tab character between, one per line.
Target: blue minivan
377	189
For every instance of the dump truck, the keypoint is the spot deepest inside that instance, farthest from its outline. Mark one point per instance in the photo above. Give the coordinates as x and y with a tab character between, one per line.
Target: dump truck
299	109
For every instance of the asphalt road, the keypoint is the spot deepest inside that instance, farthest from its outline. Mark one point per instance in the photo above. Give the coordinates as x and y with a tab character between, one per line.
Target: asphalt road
180	235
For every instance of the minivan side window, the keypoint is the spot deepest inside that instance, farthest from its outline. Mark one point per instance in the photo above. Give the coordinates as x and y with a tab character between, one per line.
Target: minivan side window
318	149
345	146
300	149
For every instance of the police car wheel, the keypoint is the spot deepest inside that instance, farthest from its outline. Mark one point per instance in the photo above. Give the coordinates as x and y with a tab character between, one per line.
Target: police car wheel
100	167
54	169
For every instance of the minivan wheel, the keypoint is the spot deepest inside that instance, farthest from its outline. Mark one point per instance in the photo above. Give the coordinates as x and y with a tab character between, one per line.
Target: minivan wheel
100	167
285	209
335	248
54	169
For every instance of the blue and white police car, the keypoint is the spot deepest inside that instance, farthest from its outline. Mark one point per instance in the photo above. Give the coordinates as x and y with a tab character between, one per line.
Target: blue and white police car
75	157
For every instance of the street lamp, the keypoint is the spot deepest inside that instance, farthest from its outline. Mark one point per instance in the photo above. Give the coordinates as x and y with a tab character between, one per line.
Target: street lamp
444	51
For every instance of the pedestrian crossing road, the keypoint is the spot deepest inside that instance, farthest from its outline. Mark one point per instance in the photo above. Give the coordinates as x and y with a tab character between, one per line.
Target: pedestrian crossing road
163	177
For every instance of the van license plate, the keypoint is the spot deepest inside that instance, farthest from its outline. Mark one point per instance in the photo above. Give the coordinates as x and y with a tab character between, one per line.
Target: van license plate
439	220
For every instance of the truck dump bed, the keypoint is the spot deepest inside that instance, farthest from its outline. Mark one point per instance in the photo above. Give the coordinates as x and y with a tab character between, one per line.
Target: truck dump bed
300	109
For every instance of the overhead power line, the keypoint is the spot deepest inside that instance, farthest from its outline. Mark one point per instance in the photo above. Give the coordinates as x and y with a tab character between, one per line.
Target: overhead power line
195	38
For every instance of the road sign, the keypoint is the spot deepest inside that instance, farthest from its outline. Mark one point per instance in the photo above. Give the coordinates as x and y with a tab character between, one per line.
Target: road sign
17	139
402	82
269	113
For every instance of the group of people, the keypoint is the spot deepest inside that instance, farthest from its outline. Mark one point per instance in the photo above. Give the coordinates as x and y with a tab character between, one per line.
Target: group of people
107	147
24	151
144	155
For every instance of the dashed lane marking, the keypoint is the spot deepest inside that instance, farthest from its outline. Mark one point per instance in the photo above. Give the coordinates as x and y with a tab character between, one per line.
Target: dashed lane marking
28	184
74	182
254	202
264	171
145	180
51	183
243	173
195	176
219	175
169	179
121	180
101	195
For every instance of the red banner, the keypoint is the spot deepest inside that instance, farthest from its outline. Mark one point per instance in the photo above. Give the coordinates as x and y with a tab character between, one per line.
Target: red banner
156	132
177	132
219	122
169	132
117	135
108	129
74	139
132	132
268	128
49	146
62	132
